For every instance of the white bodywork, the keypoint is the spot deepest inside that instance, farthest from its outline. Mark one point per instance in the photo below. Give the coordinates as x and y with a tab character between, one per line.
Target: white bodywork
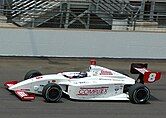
100	84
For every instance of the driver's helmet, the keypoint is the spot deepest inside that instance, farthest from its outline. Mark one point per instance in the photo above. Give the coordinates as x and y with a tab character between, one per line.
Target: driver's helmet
83	74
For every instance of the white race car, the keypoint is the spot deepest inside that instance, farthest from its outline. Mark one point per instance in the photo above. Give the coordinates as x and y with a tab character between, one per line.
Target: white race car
97	83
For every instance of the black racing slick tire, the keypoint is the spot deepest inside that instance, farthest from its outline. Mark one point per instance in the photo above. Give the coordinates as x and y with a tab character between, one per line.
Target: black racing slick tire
31	74
139	94
52	93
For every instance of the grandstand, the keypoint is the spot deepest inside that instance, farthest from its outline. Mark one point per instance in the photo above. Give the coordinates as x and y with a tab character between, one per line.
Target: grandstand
88	14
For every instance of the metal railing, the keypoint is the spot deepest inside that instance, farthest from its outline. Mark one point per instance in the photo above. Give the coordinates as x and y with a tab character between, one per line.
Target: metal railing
87	14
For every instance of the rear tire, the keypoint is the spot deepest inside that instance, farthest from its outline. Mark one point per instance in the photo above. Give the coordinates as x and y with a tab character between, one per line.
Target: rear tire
139	93
52	92
31	74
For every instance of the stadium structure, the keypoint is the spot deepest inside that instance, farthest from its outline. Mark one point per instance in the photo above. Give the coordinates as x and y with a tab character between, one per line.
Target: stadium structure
88	14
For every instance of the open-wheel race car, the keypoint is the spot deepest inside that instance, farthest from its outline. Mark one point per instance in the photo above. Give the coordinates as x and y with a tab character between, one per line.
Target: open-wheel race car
97	83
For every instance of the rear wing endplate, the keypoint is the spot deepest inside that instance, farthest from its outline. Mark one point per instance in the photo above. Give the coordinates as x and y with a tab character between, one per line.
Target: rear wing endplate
145	75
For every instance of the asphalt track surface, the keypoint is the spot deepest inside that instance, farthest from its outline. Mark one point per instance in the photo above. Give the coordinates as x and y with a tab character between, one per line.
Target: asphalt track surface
14	68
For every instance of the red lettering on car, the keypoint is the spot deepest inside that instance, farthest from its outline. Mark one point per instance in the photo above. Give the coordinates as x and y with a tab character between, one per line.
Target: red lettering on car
93	91
105	72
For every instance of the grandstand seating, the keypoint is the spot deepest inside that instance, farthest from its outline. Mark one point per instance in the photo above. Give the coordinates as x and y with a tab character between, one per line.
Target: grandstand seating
119	9
102	14
116	6
36	12
26	11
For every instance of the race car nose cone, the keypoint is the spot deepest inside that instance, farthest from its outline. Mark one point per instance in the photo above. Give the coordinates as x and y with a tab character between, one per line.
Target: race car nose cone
12	88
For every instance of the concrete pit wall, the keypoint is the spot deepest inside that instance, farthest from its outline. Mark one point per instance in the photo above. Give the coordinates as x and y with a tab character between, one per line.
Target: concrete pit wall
81	43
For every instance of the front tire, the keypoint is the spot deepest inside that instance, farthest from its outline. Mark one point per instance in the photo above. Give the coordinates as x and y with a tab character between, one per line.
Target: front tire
139	93
52	92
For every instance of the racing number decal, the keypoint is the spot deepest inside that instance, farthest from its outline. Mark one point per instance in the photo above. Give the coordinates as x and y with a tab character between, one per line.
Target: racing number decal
152	77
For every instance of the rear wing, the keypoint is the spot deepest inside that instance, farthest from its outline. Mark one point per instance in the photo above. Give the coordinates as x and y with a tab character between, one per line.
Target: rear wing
145	75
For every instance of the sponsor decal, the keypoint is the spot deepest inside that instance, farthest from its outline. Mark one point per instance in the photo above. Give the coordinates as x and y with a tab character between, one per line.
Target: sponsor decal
118	87
81	82
105	79
25	89
105	72
22	94
94	91
110	79
117	80
36	88
52	81
39	77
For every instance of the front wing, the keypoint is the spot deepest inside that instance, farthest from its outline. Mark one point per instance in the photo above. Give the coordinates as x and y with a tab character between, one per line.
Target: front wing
22	95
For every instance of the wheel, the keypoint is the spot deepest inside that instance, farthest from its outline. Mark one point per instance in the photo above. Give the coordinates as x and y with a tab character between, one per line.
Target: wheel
31	74
139	93
52	92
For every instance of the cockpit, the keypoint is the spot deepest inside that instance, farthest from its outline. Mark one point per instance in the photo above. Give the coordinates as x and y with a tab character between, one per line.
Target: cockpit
75	75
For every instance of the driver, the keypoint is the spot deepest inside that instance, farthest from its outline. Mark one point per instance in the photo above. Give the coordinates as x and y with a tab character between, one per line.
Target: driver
81	75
